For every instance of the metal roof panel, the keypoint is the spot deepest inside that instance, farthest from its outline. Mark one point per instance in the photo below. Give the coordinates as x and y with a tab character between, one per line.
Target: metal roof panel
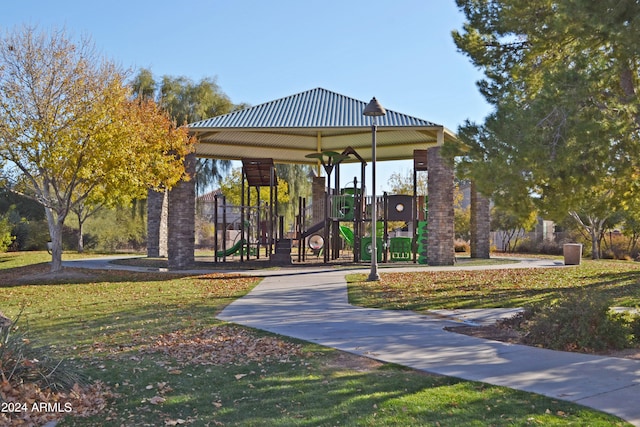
316	108
287	129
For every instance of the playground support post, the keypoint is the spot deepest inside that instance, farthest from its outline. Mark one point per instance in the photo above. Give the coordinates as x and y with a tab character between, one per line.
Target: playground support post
242	217
224	228
418	203
215	221
299	228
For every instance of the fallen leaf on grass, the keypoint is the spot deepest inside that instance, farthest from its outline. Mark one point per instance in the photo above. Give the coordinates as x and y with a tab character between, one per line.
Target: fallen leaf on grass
82	402
222	345
156	400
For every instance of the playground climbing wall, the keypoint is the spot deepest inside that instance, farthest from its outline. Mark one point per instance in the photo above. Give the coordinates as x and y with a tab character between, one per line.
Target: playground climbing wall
422	242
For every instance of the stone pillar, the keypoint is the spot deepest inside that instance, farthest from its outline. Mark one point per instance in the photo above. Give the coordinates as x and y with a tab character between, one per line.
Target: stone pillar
480	224
318	188
440	248
157	211
182	219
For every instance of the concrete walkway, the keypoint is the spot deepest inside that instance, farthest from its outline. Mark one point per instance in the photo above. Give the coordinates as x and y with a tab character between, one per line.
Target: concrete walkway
311	304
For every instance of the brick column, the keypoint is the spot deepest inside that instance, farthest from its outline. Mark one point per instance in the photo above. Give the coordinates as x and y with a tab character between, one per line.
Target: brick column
480	224
157	204
440	249
182	219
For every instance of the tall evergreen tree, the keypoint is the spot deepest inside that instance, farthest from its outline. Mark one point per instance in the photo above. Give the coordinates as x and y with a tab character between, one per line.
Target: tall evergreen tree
564	79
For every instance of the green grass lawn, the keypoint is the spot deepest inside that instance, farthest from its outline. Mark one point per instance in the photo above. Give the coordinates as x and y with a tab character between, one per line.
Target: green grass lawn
154	340
618	281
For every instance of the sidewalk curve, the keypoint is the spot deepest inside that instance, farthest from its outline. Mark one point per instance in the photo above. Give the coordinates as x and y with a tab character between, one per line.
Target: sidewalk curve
312	305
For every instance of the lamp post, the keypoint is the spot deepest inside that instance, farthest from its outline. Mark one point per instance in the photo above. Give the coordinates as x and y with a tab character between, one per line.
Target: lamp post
374	109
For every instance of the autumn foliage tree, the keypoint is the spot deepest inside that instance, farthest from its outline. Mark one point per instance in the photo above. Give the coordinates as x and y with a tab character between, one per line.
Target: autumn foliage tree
70	127
231	187
186	102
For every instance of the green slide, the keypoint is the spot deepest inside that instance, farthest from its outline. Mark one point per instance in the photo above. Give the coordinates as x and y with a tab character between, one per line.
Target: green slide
347	234
232	250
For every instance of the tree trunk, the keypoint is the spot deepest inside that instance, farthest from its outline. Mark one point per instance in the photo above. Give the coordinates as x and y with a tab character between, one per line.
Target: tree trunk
593	226
55	223
595	252
80	238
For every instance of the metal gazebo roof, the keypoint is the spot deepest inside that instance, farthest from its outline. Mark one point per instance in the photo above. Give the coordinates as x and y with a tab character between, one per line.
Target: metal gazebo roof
318	120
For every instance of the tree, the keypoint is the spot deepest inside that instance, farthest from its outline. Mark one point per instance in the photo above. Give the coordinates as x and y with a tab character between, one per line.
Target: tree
298	179
403	184
188	102
231	187
462	222
83	212
564	79
69	126
630	221
513	225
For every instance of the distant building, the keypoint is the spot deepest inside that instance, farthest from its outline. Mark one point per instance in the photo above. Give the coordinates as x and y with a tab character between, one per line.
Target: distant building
228	218
205	209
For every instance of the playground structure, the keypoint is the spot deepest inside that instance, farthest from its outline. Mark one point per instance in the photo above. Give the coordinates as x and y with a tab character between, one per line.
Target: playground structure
346	218
286	130
255	227
339	219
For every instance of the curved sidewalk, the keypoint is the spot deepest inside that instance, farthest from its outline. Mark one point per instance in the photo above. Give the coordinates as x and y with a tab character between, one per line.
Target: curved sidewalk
311	305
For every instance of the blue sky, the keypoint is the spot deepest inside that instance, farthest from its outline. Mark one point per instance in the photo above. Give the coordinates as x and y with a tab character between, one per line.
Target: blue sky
399	51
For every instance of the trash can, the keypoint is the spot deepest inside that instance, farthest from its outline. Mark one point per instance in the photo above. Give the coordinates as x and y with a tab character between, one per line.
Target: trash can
572	253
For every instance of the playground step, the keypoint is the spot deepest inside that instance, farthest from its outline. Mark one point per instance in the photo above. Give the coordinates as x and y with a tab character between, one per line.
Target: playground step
282	255
280	259
283	246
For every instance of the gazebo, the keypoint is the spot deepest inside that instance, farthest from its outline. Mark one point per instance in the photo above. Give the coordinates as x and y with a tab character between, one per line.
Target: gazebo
287	130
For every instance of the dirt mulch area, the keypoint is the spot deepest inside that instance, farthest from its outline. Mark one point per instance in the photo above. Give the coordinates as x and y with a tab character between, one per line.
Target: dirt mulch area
512	336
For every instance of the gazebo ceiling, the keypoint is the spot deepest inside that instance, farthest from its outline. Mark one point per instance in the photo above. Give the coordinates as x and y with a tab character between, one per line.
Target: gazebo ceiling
288	129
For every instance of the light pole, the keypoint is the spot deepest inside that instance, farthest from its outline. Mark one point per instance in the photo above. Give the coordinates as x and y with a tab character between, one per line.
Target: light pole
374	109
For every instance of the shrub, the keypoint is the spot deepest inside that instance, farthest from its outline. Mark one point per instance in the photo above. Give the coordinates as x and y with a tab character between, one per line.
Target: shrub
5	233
615	245
526	246
28	376
31	235
580	322
22	362
114	230
461	245
549	247
607	254
634	324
